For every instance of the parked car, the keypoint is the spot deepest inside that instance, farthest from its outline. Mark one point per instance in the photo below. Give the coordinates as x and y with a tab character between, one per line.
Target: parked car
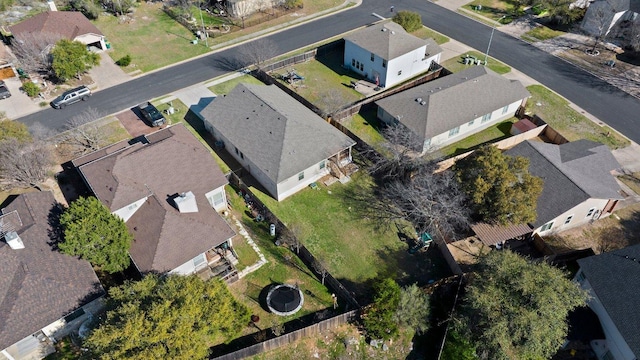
71	96
151	115
4	90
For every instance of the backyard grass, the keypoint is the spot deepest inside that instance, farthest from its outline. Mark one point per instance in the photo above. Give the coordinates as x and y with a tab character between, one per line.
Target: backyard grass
325	82
492	134
352	248
282	267
153	39
541	33
225	87
556	112
365	125
456	64
426	33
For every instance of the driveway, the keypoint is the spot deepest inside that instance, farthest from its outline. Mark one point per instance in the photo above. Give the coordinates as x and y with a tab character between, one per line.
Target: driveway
19	104
107	74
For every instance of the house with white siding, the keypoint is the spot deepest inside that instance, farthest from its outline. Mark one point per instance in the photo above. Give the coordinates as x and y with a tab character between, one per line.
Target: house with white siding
283	144
452	107
387	55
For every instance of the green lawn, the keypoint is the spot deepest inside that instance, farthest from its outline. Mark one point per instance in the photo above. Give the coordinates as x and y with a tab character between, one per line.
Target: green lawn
493	9
541	33
152	39
632	181
456	64
365	125
556	112
350	246
426	33
324	82
495	133
277	270
225	87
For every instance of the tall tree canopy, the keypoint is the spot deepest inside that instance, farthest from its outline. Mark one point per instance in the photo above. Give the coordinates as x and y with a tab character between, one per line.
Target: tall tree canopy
169	317
14	130
96	235
499	186
71	58
516	309
379	318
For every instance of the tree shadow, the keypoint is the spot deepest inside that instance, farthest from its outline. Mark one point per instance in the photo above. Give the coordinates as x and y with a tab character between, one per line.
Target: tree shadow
229	63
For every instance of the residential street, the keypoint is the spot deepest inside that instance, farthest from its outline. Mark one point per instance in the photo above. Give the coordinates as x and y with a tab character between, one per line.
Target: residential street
613	106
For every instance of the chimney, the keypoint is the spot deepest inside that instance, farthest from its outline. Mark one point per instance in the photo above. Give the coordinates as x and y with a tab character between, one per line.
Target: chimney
186	202
52	5
14	240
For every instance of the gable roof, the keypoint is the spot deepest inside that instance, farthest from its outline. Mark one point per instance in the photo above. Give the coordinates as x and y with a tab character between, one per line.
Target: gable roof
278	134
69	24
166	163
389	40
615	278
39	284
572	173
452	100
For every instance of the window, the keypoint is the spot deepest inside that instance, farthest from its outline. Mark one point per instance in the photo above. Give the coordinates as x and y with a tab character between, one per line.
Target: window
74	315
357	64
361	67
384	63
546	226
132	206
568	219
216	199
590	212
580	276
470	123
198	260
373	57
505	109
454	131
353	62
399	72
321	165
241	155
427	143
237	152
301	176
486	118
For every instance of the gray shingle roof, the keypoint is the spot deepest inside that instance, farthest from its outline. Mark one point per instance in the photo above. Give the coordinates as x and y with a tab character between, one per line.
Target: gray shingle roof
273	130
39	285
171	162
452	100
615	279
572	173
389	40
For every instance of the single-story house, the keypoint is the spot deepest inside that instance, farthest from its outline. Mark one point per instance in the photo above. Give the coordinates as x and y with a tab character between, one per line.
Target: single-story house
44	294
387	55
613	279
452	107
168	189
283	144
578	184
70	25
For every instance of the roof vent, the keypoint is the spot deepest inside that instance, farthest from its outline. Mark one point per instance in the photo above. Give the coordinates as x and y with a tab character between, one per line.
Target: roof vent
384	29
186	202
393	32
475	80
14	240
423	102
418	99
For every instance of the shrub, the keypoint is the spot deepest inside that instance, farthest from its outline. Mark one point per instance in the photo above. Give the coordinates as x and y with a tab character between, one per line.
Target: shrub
31	89
290	4
409	20
124	61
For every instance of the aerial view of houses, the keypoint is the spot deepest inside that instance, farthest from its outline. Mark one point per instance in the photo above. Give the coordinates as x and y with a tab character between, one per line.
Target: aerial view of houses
331	179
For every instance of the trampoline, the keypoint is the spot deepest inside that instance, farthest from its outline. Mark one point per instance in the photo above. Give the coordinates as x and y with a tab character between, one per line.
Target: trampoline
284	300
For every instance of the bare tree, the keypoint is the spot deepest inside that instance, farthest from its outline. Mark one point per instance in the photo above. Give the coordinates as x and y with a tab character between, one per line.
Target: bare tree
400	155
33	51
258	51
331	101
242	9
85	134
597	21
292	237
320	268
23	164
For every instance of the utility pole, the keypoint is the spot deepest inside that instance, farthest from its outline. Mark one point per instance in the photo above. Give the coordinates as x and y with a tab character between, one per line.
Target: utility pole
486	55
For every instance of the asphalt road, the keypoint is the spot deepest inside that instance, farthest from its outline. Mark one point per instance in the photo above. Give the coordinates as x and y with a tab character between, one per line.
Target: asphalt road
611	105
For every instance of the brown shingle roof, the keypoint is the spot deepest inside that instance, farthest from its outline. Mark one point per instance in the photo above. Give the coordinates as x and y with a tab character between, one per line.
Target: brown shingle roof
169	162
39	285
69	24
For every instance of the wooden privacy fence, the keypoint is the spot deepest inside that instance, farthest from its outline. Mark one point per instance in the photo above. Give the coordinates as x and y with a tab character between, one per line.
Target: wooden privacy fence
271	344
309	55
